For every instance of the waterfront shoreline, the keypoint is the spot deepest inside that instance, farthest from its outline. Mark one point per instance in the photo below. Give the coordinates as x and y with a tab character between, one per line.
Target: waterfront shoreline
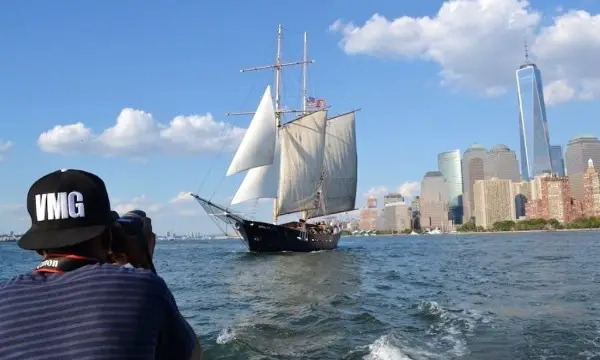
528	231
487	232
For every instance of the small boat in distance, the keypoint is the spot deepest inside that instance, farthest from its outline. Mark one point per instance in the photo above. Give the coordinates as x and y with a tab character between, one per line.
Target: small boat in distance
307	165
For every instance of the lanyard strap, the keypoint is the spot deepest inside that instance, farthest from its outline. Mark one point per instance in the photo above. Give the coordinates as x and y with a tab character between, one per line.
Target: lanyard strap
60	263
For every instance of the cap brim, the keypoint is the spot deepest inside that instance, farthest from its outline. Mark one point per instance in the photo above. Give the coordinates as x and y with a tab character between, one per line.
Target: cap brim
41	239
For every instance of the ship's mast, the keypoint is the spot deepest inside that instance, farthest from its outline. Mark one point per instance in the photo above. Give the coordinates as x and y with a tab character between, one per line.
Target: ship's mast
278	66
277	101
304	71
278	82
304	66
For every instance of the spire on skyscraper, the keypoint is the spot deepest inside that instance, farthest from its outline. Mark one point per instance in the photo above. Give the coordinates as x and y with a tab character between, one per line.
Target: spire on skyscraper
527	60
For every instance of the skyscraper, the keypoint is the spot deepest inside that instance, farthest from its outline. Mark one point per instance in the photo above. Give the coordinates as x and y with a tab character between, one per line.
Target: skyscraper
579	151
502	163
449	165
494	201
533	125
472	169
392	198
434	201
558	161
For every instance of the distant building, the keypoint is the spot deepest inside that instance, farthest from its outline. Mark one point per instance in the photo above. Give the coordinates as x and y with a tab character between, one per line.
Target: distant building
416	212
494	201
551	199
449	164
472	169
415	204
558	160
372	202
396	217
392	198
579	151
368	219
434	201
591	189
501	163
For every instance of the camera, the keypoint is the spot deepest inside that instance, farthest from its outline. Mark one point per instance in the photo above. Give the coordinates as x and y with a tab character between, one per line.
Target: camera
133	225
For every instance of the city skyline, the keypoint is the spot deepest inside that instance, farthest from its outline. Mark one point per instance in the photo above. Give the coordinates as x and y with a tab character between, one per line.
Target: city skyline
148	116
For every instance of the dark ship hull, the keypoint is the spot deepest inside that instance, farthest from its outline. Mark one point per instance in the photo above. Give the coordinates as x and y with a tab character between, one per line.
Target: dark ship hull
264	237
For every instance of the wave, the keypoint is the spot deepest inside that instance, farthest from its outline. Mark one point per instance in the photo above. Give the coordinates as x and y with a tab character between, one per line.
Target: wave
388	347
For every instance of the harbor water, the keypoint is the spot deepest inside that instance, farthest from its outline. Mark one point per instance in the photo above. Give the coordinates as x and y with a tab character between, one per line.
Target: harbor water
495	296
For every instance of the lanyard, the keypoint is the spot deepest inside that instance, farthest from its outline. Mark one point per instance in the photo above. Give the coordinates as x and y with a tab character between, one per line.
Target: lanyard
60	263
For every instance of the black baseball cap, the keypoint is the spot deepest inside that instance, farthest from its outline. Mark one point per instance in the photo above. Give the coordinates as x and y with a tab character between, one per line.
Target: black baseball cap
67	207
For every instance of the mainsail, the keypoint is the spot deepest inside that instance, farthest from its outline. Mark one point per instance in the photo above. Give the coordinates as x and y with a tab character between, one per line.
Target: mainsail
339	174
302	149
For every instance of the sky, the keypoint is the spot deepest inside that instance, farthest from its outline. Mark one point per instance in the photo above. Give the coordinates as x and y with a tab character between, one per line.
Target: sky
137	92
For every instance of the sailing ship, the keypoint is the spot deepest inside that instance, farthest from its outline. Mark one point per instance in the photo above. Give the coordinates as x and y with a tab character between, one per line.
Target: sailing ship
307	165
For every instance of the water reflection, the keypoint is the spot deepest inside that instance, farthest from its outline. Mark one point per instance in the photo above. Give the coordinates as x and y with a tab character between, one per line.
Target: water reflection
293	302
295	279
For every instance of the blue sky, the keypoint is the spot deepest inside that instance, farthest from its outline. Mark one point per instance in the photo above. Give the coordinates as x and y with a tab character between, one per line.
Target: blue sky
424	85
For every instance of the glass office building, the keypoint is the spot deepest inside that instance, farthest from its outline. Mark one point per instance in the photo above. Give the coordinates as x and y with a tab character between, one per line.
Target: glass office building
449	164
533	125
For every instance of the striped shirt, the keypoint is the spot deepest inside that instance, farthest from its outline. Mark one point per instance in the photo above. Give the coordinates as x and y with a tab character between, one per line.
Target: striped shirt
100	311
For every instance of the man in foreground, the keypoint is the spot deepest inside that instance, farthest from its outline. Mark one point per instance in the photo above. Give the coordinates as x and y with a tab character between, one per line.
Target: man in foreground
75	304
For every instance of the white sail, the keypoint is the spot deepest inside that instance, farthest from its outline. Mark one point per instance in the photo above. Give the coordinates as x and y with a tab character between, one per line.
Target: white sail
338	189
258	145
260	182
302	148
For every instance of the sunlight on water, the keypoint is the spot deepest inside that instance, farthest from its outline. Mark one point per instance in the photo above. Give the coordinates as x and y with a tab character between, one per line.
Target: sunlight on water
380	298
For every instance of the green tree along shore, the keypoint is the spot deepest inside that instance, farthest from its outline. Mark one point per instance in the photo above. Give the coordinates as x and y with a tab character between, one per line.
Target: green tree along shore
509	225
534	224
386	232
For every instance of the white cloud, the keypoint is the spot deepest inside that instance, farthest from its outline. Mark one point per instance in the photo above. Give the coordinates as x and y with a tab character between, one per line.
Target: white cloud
182	196
406	189
558	91
410	188
478	45
140	203
166	216
5	147
377	191
178	205
136	133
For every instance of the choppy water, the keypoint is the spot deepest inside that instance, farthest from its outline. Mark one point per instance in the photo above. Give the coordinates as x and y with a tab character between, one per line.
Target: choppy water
514	296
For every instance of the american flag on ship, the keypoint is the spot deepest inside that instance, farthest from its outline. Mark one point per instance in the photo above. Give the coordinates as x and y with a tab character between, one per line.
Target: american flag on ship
314	102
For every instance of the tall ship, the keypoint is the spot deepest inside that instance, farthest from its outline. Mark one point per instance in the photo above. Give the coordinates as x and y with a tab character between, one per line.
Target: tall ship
308	166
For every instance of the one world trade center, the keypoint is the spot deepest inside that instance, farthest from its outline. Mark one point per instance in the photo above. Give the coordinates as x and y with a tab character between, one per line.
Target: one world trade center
533	125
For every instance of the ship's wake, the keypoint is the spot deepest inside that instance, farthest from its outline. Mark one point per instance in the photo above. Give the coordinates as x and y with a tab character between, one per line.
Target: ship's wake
443	334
